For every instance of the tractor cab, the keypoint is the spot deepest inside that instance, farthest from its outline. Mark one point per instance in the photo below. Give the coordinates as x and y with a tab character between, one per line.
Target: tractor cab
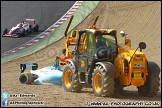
101	44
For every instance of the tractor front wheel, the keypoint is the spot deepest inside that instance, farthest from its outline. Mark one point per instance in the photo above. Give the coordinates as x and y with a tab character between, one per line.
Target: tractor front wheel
70	79
102	82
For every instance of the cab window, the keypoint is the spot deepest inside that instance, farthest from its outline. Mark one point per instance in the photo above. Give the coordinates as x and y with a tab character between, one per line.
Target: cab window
90	44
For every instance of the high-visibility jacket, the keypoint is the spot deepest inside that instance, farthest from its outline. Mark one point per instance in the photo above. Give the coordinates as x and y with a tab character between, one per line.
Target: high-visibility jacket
65	57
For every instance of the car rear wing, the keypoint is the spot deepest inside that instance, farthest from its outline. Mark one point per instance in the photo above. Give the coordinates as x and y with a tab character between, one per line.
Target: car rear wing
30	20
23	66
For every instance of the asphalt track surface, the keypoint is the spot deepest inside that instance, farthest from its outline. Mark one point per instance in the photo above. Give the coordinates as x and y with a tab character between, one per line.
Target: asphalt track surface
46	13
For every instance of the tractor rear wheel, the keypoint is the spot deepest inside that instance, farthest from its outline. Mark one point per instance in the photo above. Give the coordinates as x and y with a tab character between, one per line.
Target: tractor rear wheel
152	84
70	80
102	82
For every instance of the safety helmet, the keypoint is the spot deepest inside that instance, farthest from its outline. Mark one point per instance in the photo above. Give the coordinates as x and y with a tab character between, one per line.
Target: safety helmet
63	51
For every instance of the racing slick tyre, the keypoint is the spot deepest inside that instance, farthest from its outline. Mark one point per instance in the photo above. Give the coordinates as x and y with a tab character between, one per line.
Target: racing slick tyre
30	28
70	80
102	82
4	31
26	78
36	27
23	32
151	87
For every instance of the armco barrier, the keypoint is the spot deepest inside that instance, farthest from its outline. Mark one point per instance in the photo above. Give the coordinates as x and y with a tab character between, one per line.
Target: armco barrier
46	32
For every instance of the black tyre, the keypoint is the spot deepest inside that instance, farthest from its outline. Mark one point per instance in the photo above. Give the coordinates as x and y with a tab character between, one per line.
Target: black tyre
152	84
30	28
26	78
70	79
5	31
23	32
36	27
102	82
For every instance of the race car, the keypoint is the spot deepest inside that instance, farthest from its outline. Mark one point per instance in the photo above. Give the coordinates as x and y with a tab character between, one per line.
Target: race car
48	75
25	27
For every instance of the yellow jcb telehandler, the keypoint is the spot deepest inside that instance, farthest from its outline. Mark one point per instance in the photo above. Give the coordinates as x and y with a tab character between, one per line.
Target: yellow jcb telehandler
102	63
